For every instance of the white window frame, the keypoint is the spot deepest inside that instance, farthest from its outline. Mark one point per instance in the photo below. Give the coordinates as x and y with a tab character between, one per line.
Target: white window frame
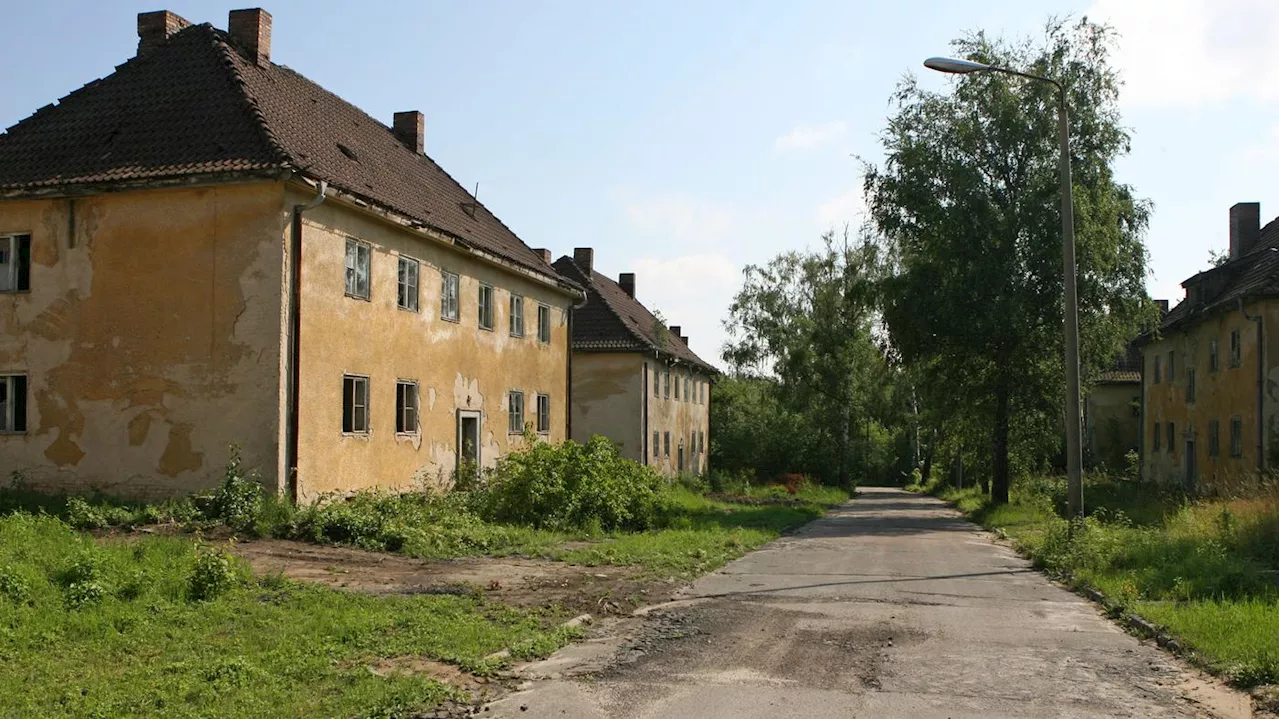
449	296
515	412
351	269
484	307
544	413
12	260
407	272
407	417
515	315
544	324
13	386
357	381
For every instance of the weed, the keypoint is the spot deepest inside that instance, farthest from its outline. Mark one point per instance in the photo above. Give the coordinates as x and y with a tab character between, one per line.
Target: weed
213	574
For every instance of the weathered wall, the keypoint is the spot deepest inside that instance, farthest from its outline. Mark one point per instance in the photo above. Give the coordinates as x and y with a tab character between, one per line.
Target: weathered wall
679	416
150	337
457	365
1230	391
607	392
1112	424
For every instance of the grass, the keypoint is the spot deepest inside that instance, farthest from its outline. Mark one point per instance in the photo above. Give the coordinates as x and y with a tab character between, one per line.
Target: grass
1205	570
91	628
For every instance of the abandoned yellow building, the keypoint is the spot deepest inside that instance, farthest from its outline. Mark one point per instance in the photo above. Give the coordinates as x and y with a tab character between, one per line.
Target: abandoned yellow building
1112	408
205	248
1210	371
635	380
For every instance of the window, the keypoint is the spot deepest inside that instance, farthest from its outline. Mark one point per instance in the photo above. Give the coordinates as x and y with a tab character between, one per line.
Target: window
544	413
544	324
1214	441
1169	437
702	441
1235	348
655	445
677	388
13	403
407	284
515	319
666	444
655	383
1213	355
15	263
1169	368
515	412
485	307
355	404
1191	384
406	407
693	442
666	384
357	269
1156	372
1155	437
1236	437
449	296
687	384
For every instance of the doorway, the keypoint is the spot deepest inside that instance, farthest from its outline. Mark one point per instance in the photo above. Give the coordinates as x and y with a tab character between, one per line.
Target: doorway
680	459
468	442
1189	462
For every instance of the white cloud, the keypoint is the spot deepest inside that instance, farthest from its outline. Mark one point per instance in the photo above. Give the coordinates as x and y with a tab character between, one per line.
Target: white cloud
1184	53
848	207
805	137
693	291
679	219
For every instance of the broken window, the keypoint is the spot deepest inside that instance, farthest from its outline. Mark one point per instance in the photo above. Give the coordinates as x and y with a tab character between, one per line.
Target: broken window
449	296
666	444
544	413
15	263
516	316
13	403
1213	355
485	313
406	407
357	277
515	412
544	324
355	404
407	284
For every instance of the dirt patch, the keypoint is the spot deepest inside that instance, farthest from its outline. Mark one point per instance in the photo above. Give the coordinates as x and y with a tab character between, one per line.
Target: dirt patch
516	581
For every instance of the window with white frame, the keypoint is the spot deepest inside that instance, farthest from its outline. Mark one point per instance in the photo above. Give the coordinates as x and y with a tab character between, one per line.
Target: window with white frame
355	404
406	407
485	307
15	263
515	412
544	413
516	316
357	273
407	284
449	296
13	403
544	324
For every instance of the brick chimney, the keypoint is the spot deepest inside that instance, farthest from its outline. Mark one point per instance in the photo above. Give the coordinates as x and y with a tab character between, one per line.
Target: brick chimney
1244	228
584	258
1164	307
627	281
250	30
685	340
674	329
545	254
156	27
410	128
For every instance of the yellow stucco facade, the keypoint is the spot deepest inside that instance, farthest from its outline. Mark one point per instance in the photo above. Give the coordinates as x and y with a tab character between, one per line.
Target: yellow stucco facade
1112	420
683	414
1226	395
154	334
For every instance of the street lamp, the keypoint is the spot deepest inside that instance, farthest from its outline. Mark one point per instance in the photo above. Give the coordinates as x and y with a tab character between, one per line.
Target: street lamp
1075	487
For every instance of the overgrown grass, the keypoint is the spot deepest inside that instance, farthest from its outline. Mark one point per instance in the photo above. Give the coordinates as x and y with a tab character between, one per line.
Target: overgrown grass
116	628
1205	570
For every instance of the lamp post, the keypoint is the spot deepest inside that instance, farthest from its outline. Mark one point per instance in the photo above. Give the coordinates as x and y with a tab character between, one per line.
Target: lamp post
1075	487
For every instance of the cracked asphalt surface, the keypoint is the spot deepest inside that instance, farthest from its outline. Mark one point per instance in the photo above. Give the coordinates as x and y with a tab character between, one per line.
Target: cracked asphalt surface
891	606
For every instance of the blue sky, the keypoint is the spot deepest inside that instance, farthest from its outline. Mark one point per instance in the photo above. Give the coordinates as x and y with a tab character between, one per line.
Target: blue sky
685	140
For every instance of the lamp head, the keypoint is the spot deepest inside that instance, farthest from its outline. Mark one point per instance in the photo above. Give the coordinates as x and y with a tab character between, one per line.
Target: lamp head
951	65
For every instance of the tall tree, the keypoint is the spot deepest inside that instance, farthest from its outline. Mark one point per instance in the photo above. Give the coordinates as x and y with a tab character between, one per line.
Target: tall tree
967	201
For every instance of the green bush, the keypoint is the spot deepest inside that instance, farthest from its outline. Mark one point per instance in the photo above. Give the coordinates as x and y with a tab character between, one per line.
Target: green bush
731	482
571	486
213	574
238	502
14	586
696	483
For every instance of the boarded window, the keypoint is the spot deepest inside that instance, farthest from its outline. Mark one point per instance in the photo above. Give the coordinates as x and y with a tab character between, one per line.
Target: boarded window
544	413
449	297
15	263
355	404
406	407
515	412
357	274
544	324
407	284
13	403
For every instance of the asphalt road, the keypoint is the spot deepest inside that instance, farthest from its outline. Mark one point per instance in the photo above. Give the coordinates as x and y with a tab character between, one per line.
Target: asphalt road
891	606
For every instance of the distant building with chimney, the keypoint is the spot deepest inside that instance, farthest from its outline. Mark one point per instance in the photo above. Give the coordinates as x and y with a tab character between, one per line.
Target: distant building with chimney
634	379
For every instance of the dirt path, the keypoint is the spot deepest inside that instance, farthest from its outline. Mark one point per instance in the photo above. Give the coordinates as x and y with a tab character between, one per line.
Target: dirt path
892	606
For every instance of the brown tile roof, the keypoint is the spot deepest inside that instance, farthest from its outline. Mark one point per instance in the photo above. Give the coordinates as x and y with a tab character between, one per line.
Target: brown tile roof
613	321
195	106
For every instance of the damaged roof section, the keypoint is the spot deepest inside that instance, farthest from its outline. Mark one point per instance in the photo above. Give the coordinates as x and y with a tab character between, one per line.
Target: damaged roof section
196	103
613	320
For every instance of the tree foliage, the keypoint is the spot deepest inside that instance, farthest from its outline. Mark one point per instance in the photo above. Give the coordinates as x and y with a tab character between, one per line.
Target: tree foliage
967	201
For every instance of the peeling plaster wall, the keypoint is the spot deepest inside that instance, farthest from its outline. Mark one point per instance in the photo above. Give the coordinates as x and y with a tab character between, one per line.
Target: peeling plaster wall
1230	391
607	400
679	416
1112	422
150	337
457	365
